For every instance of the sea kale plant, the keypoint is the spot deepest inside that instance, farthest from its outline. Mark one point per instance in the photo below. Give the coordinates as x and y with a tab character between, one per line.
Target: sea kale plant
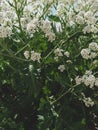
48	64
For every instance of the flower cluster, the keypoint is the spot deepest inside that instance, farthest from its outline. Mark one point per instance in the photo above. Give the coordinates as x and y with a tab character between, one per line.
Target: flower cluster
61	68
81	12
7	16
31	11
88	79
87	100
63	36
58	52
47	29
32	26
91	52
34	56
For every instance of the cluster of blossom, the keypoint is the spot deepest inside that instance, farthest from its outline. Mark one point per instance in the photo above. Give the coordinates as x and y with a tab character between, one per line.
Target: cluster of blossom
91	52
87	100
80	12
5	31
58	52
51	100
44	25
61	68
29	18
88	79
7	16
34	56
47	29
95	63
77	12
32	26
32	12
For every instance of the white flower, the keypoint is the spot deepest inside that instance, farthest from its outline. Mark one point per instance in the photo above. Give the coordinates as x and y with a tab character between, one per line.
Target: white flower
88	72
80	5
87	29
85	53
69	61
47	29
30	68
88	102
66	54
18	5
93	55
91	20
46	25
24	23
95	62
94	29
78	80
61	68
5	31
51	36
96	82
88	14
88	80
93	46
1	17
58	52
35	56
80	19
56	58
60	9
26	54
32	26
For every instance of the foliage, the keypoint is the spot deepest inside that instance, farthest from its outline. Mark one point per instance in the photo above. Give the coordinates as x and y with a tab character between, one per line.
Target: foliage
48	65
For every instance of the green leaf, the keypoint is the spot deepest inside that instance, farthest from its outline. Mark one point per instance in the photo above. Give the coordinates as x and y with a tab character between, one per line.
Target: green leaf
54	18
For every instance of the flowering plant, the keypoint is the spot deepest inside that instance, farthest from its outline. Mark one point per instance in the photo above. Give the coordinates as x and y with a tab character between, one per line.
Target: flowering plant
49	64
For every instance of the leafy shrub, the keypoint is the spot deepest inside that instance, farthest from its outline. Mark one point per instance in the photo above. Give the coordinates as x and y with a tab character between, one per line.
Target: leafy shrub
48	65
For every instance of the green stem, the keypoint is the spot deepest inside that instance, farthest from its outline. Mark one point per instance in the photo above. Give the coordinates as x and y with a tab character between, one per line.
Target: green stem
69	90
45	11
14	57
21	49
61	43
18	15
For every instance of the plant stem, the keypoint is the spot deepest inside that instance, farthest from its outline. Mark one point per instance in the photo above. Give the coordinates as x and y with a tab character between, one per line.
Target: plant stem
69	90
